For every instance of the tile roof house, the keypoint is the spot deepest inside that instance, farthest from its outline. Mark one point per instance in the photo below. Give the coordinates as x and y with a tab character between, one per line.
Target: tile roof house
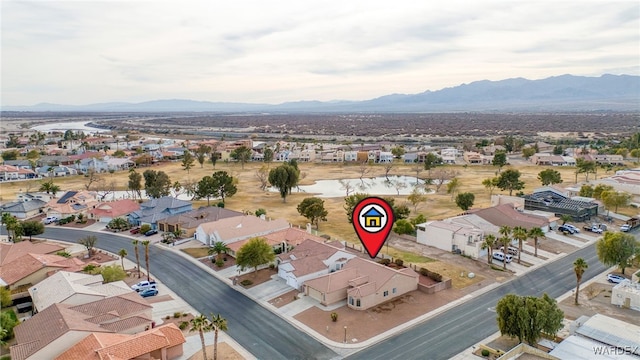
237	228
72	203
24	209
163	343
8	172
33	268
452	236
311	259
72	288
9	252
52	331
158	209
363	283
109	210
188	222
282	240
506	215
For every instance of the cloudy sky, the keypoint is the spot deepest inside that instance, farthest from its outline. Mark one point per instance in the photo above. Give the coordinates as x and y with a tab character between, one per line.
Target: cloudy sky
82	52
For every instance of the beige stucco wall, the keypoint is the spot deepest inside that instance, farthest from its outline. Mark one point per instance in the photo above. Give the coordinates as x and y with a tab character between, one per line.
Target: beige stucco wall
403	285
34	278
59	345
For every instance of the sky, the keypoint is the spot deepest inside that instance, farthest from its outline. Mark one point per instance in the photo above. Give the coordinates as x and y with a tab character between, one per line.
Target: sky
270	52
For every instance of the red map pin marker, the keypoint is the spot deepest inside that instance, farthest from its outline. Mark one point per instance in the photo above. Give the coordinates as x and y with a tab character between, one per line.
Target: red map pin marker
372	219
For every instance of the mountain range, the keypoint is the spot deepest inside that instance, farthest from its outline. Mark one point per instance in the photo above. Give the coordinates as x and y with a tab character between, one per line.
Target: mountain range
565	93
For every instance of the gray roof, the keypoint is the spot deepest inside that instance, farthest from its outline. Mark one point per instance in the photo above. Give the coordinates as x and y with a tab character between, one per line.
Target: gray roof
157	209
23	206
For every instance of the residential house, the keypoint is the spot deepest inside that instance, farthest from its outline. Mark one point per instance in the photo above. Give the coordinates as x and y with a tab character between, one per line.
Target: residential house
452	236
283	155
609	159
410	157
155	210
281	241
43	196
449	155
32	268
72	203
472	157
38	338
307	155
187	223
73	288
9	172
109	210
350	156
55	171
557	203
10	252
232	229
492	149
507	215
332	156
363	283
311	259
163	343
24	209
54	160
23	164
380	157
627	295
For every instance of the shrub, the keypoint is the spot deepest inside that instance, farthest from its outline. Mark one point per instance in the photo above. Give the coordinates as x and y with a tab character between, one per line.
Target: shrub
184	314
485	352
246	282
384	262
431	274
167	317
334	316
220	204
183	325
399	262
177	314
63	254
272	266
219	263
89	268
144	228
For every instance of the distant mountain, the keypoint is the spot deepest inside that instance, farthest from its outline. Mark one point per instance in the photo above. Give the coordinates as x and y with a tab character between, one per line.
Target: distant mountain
558	93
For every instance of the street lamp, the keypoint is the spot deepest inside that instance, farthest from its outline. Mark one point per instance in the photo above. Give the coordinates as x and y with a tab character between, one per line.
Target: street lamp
345	334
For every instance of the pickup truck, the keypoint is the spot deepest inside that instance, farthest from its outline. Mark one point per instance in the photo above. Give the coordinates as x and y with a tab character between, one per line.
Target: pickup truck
142	285
593	228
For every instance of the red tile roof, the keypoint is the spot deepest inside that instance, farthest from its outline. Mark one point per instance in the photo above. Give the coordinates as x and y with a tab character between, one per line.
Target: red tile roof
12	251
116	208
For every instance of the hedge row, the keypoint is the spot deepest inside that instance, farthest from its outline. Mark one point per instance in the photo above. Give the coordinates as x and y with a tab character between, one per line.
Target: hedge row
431	274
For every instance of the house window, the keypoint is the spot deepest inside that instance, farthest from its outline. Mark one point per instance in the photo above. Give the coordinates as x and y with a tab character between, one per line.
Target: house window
358	303
351	301
394	290
386	293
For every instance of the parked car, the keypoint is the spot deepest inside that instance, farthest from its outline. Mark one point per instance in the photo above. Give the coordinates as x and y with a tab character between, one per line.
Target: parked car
616	279
500	256
567	229
625	227
149	292
572	227
151	232
135	230
510	250
50	220
143	285
593	228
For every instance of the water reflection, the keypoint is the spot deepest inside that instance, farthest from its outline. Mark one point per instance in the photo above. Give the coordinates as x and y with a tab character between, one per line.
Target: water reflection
394	185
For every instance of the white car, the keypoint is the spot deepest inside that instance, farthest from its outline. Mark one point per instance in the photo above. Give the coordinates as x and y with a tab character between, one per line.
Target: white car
572	227
625	227
500	256
50	219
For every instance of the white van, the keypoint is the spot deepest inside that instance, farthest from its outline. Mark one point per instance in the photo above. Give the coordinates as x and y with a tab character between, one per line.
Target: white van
500	256
511	250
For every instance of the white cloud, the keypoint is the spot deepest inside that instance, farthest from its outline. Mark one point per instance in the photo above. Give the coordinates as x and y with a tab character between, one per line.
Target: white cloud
82	52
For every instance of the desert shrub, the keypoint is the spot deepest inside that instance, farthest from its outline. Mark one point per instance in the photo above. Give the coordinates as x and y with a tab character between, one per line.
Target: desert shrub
183	325
246	282
399	262
63	254
334	316
89	268
177	314
167	317
219	263
485	352
384	262
431	274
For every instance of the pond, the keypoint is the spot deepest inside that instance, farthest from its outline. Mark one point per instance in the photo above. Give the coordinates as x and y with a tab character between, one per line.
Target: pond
395	185
119	195
64	126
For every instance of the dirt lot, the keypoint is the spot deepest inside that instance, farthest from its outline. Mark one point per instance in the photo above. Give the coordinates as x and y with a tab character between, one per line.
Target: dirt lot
225	352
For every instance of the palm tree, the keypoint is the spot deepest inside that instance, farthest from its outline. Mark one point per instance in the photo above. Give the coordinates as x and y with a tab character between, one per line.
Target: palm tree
520	234
146	256
565	218
505	231
218	248
217	323
135	249
122	253
536	233
488	243
201	324
579	266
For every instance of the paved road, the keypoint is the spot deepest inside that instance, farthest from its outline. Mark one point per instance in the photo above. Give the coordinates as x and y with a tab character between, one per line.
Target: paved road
455	330
258	330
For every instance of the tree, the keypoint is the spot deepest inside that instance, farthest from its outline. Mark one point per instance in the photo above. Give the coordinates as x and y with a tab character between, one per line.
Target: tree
201	324
89	242
135	250
585	167
402	227
617	248
49	187
350	203
262	175
217	323
112	273
416	198
440	176
586	191
122	253
579	266
599	189
10	155
521	234
505	240
187	160
156	183
31	228
565	218
536	233
431	160
313	209
223	184
206	188
636	154
213	157
528	152
218	248
268	156
5	297
452	187
615	199
254	253
12	225
488	244
526	317
241	154
146	243
549	177
499	159
201	153
135	183
284	177
398	151
490	184
465	200
9	321
510	180
119	154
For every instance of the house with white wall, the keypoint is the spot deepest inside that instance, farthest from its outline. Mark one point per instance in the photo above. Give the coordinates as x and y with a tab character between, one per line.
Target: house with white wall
450	236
